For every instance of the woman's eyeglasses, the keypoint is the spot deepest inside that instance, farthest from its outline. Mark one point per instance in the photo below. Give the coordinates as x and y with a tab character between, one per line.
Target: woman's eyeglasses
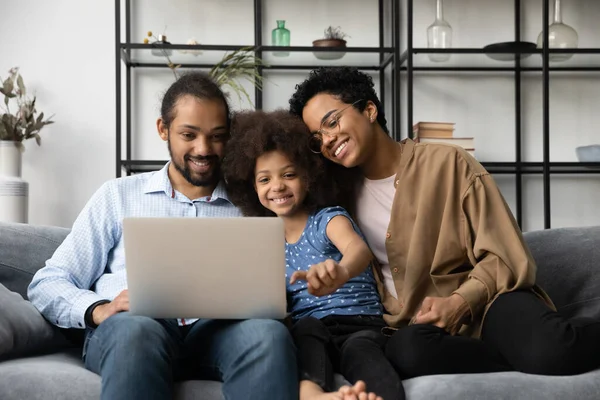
329	127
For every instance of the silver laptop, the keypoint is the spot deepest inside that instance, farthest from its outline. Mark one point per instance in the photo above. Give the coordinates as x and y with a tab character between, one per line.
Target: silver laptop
221	268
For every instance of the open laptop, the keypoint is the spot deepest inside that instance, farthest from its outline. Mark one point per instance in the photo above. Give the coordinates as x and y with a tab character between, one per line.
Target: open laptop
221	268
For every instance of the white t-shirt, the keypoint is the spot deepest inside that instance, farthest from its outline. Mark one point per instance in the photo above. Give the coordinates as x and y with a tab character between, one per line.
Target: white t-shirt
373	211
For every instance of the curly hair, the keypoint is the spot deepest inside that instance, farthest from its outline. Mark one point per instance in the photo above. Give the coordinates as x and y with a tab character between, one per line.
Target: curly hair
346	83
254	133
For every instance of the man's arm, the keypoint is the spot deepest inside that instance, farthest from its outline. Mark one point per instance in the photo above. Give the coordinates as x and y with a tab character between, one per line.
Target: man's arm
60	290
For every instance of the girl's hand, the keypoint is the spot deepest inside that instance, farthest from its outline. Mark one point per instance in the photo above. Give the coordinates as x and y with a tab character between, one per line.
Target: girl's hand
323	278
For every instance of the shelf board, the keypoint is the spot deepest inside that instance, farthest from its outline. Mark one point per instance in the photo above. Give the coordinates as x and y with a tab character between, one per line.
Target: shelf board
494	167
140	166
297	58
478	59
537	167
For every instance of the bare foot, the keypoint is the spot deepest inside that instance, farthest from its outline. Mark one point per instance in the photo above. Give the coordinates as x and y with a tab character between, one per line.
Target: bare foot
357	392
311	391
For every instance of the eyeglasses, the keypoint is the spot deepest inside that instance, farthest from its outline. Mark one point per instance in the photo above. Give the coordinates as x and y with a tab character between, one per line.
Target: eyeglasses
329	127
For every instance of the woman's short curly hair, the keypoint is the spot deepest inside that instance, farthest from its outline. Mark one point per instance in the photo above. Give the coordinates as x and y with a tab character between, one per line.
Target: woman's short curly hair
347	83
254	133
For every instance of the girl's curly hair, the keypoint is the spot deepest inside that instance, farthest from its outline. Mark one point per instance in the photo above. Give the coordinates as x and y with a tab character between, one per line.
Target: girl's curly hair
254	133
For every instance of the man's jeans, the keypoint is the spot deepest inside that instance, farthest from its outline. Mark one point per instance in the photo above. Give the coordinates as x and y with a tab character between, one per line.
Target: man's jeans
140	357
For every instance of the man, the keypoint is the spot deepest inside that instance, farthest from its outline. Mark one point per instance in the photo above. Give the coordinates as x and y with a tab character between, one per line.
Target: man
458	279
84	284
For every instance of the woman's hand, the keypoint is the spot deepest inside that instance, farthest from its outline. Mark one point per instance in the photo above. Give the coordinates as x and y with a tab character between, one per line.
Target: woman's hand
323	278
448	313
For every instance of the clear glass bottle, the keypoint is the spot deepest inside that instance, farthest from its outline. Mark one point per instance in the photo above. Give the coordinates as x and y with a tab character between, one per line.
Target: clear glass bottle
280	36
560	36
439	34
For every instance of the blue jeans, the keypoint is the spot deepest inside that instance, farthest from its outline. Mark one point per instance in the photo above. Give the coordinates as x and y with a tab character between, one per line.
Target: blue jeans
140	357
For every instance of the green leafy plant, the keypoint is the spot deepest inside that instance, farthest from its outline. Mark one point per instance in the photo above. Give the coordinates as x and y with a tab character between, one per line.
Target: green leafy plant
24	123
239	64
336	33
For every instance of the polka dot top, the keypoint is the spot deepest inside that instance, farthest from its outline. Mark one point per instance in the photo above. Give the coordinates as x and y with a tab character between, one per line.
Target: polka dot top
357	297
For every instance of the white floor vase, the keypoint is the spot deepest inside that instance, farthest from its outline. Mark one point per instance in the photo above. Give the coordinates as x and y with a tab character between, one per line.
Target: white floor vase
14	191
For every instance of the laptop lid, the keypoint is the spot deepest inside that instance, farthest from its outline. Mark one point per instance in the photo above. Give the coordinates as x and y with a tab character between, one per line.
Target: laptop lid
220	268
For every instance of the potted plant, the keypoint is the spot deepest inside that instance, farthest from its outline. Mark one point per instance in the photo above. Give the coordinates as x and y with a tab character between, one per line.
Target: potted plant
239	64
16	125
22	122
333	37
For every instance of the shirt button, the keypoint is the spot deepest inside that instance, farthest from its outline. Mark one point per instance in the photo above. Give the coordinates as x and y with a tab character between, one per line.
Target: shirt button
388	235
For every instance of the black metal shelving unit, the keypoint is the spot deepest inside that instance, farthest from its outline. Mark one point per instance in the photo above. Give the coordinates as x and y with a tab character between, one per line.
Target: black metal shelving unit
125	55
518	168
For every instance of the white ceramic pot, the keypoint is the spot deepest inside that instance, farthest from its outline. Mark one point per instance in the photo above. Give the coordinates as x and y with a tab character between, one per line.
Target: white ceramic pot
10	159
14	191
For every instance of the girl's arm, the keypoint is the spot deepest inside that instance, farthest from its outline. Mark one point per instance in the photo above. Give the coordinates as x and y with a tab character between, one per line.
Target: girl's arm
356	253
326	277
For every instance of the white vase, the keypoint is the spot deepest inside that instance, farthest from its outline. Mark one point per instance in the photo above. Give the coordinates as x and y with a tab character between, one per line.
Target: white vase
439	34
14	191
560	36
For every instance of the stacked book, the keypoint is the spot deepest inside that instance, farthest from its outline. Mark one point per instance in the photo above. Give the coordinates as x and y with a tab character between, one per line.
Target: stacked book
441	132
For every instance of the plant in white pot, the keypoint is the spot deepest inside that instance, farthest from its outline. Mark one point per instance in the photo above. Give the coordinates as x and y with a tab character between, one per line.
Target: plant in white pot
19	121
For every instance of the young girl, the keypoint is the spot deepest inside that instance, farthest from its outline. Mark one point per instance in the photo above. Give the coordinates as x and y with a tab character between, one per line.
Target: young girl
332	294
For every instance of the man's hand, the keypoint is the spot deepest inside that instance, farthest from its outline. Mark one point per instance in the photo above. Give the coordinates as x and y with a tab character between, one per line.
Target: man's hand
120	303
448	313
323	278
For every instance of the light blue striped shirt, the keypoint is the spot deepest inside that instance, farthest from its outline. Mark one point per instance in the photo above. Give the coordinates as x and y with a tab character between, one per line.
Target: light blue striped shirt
90	264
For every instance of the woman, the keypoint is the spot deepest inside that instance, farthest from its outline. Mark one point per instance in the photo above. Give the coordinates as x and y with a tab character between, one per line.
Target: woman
457	278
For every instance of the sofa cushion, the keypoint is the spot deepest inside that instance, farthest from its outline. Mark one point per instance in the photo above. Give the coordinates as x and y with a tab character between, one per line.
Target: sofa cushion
63	376
568	262
23	330
504	385
23	250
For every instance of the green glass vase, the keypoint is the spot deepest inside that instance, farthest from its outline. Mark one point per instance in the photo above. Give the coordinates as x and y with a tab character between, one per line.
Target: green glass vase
280	36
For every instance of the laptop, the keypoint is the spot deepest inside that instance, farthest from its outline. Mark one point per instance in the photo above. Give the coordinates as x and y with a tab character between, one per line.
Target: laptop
218	268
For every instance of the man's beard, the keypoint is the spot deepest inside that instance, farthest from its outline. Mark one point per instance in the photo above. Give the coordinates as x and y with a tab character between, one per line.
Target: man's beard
209	179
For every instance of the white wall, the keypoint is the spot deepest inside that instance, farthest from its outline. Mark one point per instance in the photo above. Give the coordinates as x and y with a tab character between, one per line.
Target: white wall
66	53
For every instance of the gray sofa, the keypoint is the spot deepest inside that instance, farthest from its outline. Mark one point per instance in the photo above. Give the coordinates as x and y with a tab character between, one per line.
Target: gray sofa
38	362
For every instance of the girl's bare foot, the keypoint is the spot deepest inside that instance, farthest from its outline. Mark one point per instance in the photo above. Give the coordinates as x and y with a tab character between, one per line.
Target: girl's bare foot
357	392
311	391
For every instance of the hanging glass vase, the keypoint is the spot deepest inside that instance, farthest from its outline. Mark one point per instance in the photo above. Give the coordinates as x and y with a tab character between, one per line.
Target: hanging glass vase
560	36
439	34
280	36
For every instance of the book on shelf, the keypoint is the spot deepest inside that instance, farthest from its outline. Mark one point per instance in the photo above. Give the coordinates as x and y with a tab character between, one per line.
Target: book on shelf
467	143
433	129
464	142
441	132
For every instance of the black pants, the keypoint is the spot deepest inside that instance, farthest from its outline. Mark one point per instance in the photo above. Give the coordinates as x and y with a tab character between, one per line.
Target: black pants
351	345
520	333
